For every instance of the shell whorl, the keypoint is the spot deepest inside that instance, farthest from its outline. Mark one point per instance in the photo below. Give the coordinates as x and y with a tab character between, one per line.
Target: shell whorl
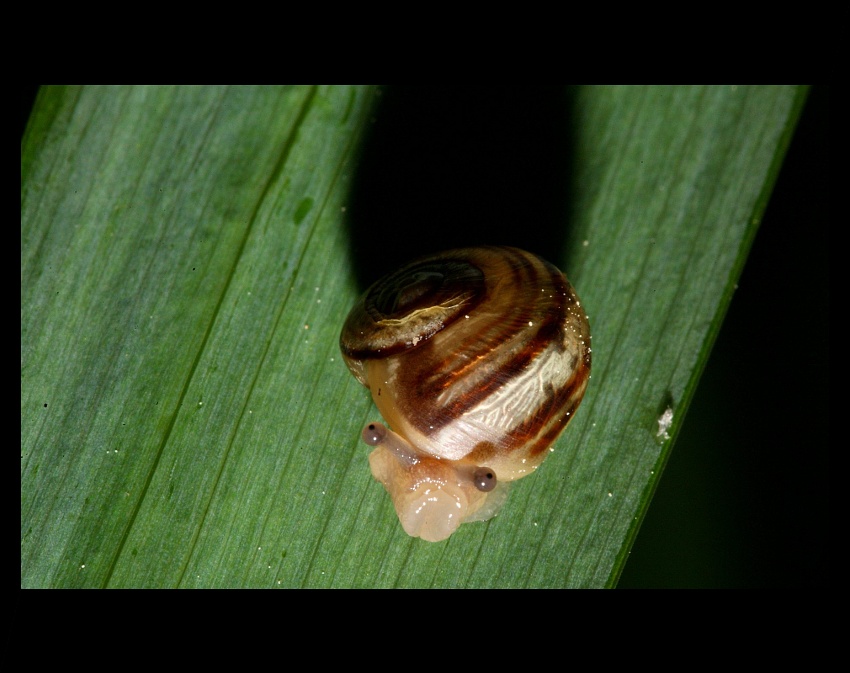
476	354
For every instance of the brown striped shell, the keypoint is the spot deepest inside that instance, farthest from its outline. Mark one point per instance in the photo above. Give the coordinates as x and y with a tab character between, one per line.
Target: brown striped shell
477	358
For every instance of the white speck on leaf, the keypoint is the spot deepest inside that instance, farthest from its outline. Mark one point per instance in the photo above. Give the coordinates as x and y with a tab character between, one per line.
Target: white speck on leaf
664	423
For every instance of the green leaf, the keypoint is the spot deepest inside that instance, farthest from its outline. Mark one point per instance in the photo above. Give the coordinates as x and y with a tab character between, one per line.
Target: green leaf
186	419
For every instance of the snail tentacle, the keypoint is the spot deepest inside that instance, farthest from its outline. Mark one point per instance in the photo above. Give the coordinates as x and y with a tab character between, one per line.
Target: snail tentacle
378	435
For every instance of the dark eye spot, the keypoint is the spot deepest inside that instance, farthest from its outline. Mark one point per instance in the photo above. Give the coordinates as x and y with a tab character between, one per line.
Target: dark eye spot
373	434
484	479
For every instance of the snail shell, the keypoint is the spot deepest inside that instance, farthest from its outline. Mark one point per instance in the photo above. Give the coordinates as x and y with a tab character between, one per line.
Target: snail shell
477	358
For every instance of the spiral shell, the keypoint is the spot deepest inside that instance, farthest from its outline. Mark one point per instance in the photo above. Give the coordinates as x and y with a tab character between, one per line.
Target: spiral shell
477	358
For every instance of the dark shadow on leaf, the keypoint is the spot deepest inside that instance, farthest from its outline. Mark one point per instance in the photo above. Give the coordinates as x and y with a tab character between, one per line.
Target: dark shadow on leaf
445	167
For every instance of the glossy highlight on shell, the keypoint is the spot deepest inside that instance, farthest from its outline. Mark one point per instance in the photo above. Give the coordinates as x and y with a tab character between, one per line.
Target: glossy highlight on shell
477	358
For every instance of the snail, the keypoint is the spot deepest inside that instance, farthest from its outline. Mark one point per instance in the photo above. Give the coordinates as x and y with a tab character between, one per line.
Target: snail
477	358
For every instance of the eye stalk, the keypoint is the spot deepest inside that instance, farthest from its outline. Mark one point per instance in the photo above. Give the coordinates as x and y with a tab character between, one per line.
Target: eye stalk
484	479
374	433
378	435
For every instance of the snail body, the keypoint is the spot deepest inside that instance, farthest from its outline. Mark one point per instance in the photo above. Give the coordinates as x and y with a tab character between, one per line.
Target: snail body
477	358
